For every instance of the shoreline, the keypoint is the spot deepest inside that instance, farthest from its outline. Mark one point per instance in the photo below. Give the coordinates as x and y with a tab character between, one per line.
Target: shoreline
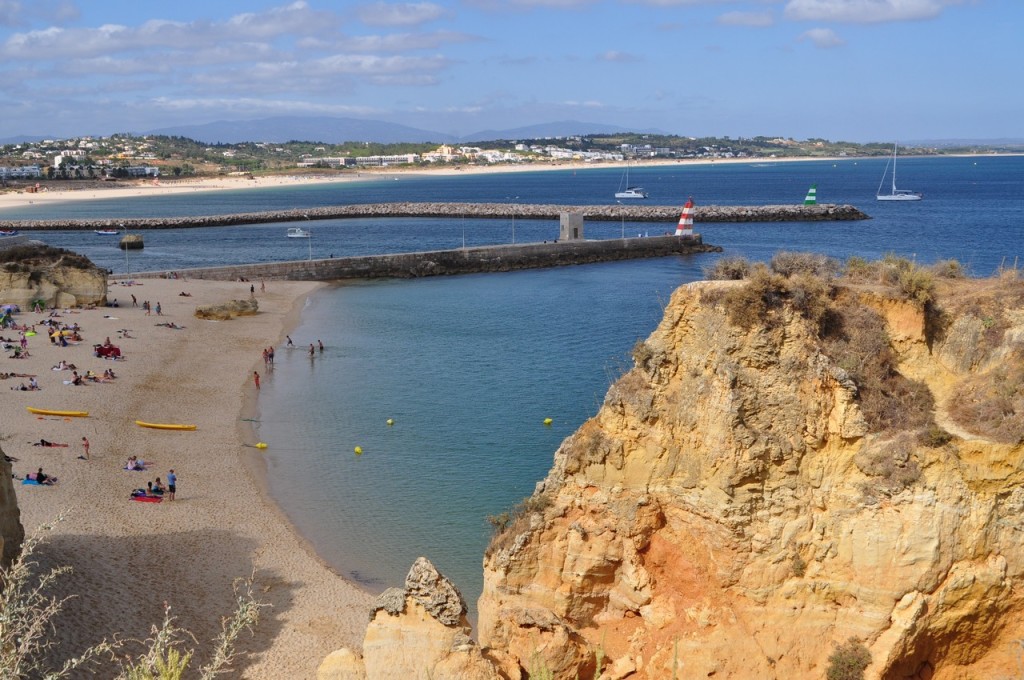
128	557
147	188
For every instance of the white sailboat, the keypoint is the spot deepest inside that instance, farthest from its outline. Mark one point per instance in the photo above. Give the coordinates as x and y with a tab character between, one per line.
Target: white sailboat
626	191
895	194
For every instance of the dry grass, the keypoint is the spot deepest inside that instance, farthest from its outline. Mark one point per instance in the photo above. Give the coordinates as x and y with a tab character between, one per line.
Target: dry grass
733	268
890	465
992	404
855	338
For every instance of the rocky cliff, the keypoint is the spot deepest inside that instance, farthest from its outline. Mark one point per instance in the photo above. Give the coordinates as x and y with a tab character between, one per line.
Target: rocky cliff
12	533
789	467
55	276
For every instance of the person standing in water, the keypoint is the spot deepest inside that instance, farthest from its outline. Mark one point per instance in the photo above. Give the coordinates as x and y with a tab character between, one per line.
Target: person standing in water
321	345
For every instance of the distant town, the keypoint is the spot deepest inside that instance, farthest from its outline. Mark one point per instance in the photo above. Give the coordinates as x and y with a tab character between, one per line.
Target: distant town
126	156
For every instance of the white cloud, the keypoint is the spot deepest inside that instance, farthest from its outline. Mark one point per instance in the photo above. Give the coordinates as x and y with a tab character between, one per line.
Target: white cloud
753	19
619	57
253	106
823	38
395	42
157	34
865	11
401	14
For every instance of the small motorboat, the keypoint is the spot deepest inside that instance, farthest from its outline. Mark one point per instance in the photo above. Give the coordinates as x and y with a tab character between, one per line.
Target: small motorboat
107	232
10	232
298	232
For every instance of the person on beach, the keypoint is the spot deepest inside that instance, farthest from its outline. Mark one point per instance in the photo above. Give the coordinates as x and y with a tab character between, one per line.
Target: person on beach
256	378
270	355
145	306
312	351
266	357
135	303
85	447
172	484
321	345
289	343
157	488
252	290
158	312
263	285
43	478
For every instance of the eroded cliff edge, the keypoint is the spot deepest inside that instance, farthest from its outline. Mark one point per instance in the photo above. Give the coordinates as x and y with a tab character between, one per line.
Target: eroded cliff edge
790	464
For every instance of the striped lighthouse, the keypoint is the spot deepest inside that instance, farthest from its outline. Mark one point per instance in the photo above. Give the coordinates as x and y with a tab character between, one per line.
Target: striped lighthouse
812	195
685	226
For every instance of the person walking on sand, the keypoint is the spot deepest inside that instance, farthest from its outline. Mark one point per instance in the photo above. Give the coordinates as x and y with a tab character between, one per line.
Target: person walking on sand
158	312
85	446
266	357
135	303
289	343
172	484
256	378
263	285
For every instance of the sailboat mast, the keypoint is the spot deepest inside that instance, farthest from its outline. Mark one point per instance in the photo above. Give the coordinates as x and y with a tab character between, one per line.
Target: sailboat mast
895	144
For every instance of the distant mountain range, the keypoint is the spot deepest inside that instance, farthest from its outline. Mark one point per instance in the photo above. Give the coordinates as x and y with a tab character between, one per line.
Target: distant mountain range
332	130
335	130
339	130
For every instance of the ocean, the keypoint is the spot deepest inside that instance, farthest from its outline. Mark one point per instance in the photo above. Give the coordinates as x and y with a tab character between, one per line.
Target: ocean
468	368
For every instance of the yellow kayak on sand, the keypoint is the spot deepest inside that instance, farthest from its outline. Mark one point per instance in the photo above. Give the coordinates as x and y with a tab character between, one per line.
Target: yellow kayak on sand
165	426
51	412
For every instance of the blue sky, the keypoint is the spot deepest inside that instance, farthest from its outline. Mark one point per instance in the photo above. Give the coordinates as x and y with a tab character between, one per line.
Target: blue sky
854	70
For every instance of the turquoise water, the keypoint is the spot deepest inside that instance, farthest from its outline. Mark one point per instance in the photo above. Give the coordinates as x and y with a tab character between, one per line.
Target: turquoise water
469	367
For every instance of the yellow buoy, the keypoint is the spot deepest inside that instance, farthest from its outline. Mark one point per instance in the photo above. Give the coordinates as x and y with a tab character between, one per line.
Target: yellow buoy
548	421
359	450
390	422
261	445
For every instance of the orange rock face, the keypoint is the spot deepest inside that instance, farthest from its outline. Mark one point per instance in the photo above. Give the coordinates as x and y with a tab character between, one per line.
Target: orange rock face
730	512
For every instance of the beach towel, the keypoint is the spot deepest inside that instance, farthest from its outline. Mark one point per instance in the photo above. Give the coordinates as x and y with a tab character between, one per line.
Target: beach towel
49	481
147	499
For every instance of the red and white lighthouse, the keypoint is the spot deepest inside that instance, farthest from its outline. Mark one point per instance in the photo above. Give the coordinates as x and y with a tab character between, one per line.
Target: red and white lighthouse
685	226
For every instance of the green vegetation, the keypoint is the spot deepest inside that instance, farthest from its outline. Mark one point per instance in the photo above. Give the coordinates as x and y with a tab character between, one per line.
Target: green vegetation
28	257
848	661
176	156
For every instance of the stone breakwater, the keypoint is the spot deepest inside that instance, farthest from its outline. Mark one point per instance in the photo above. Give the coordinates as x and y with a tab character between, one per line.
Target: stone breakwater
633	213
482	259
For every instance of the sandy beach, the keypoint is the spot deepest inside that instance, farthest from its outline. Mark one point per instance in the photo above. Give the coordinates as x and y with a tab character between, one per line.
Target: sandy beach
59	192
128	558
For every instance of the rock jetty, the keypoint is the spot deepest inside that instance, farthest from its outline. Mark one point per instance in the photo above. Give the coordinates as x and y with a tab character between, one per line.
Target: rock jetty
633	213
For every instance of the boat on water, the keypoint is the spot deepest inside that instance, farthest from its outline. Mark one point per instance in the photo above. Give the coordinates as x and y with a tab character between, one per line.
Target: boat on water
107	232
627	191
895	194
8	232
298	232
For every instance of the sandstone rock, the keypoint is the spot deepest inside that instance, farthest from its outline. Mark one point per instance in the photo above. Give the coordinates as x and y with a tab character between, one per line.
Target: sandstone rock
55	286
712	519
131	242
342	664
421	631
12	533
228	310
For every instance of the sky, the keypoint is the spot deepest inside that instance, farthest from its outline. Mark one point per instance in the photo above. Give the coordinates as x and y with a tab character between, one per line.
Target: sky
842	70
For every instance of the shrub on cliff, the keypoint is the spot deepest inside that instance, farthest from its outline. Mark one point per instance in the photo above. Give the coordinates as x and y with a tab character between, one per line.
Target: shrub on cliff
728	269
25	257
855	338
992	404
848	661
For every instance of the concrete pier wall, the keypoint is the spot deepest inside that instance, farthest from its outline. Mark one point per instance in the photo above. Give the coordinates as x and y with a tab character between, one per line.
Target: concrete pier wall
449	262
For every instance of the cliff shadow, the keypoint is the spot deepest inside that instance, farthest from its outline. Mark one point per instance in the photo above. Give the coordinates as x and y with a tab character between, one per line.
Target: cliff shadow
118	587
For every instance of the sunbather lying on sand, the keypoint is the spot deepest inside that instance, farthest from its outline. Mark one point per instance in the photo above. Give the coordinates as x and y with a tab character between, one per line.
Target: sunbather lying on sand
43	442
